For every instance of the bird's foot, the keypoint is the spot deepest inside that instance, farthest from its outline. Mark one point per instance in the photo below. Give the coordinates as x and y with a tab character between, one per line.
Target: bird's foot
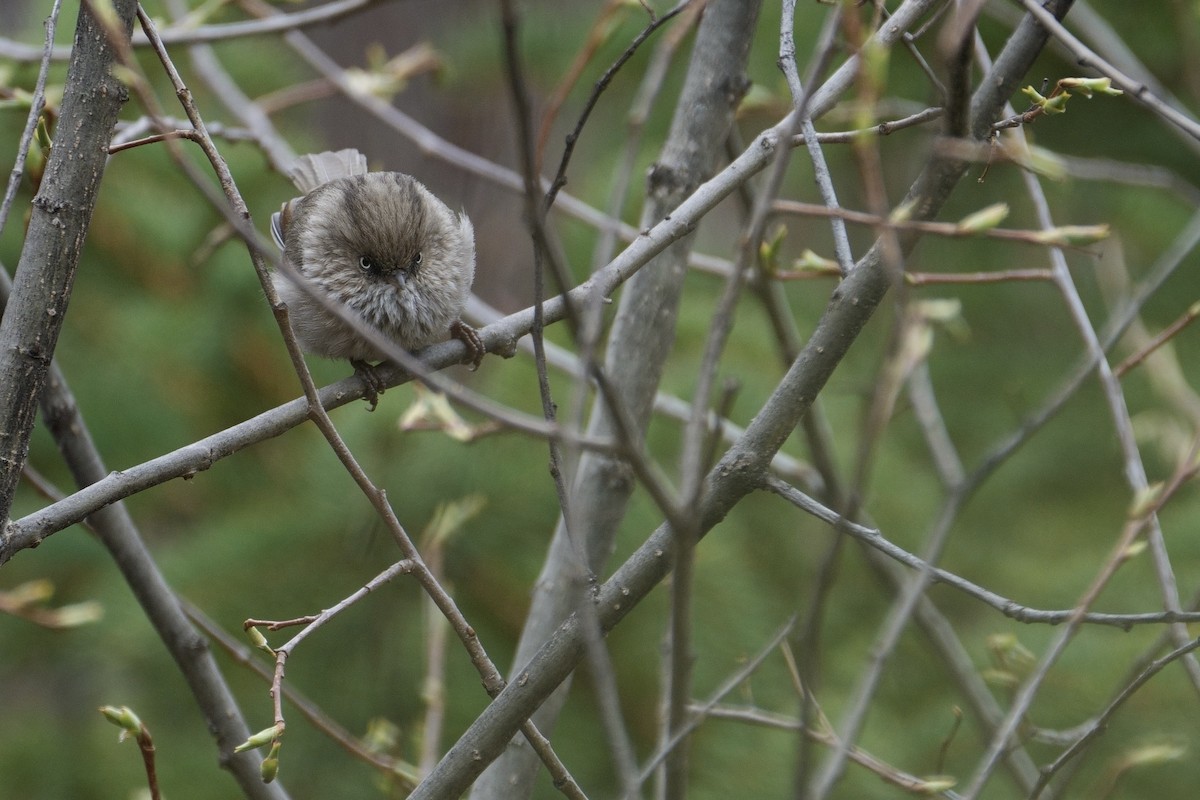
372	382
470	337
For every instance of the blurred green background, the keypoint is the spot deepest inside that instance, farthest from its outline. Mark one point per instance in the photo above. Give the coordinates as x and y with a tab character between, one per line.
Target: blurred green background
169	340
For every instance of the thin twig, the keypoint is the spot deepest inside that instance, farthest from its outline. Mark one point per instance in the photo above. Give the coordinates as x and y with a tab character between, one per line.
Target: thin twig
200	34
1040	238
1166	335
130	725
433	687
560	178
535	219
1000	276
800	99
601	29
128	131
875	539
653	78
311	712
699	712
921	395
884	771
1140	523
1100	724
314	622
1086	57
37	102
645	471
156	138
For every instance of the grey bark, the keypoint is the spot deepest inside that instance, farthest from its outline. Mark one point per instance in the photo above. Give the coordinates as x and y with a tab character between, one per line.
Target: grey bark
61	213
642	334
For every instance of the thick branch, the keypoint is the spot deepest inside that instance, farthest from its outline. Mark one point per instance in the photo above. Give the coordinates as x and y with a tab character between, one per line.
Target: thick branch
61	213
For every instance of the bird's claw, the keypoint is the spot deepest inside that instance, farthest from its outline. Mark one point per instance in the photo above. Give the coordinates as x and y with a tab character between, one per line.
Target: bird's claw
476	349
372	383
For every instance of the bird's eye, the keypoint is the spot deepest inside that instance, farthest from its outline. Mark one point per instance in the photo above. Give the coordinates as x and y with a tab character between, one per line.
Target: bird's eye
416	262
366	264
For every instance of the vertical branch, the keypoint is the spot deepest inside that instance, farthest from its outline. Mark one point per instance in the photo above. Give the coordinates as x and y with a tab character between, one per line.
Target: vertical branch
693	462
62	211
809	634
641	338
957	41
535	219
653	77
800	95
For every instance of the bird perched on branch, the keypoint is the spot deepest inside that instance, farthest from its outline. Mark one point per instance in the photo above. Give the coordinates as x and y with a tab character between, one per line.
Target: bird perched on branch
374	250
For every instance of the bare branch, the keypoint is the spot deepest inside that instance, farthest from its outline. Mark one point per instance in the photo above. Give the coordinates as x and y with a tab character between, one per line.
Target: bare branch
37	103
200	34
62	210
1010	608
1087	58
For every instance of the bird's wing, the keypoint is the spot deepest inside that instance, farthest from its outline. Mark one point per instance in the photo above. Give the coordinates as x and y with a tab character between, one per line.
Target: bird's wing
279	223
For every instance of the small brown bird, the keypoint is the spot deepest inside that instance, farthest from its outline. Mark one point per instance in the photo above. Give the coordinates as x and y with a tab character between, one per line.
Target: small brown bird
381	245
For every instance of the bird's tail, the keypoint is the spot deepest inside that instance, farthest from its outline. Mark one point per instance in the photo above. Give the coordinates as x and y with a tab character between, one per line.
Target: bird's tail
311	171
